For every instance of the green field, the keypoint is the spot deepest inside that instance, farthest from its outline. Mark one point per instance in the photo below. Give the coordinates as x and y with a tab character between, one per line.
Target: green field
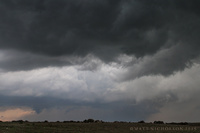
107	127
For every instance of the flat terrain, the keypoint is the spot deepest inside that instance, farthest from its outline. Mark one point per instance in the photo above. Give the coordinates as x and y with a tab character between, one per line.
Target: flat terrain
60	127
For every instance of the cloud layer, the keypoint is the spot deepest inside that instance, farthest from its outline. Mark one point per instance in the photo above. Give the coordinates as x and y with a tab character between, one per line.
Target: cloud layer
68	87
103	28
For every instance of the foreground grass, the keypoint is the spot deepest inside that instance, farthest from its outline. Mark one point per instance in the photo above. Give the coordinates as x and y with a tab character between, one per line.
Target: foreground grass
59	127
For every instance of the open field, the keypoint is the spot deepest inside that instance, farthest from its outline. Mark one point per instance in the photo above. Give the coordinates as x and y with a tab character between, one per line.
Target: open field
60	127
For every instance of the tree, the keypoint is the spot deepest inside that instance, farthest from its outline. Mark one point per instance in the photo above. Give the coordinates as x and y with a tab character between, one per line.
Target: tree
158	122
89	121
141	121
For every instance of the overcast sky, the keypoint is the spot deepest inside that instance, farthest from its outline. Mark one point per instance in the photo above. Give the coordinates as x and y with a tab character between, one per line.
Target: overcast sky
112	60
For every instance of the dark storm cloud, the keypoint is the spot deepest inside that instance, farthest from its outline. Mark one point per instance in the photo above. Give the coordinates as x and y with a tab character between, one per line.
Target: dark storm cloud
14	60
104	29
79	27
56	27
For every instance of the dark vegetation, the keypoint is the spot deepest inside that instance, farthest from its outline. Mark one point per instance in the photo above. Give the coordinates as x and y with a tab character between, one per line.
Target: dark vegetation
180	123
101	121
158	122
93	126
141	121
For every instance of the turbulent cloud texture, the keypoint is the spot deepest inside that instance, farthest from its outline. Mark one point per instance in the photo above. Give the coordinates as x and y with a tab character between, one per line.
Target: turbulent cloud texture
106	59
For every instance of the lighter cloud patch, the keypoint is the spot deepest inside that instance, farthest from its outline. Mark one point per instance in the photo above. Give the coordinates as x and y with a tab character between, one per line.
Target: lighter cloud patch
61	82
139	89
101	85
89	62
185	85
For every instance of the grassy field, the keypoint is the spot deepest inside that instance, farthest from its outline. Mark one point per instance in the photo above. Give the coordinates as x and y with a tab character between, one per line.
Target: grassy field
60	127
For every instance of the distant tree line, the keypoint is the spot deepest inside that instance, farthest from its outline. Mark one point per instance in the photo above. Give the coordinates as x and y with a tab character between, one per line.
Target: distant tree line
161	122
158	122
100	121
179	123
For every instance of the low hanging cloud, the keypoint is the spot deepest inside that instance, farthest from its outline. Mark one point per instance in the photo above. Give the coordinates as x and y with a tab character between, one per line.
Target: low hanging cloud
165	62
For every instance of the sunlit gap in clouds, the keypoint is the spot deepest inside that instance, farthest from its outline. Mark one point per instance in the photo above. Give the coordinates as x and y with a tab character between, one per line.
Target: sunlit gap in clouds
14	113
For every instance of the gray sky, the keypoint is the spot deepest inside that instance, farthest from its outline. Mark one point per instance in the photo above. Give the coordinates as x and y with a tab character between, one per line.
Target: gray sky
125	60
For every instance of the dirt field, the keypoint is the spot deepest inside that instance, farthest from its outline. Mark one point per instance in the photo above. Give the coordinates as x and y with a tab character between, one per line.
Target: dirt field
60	127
